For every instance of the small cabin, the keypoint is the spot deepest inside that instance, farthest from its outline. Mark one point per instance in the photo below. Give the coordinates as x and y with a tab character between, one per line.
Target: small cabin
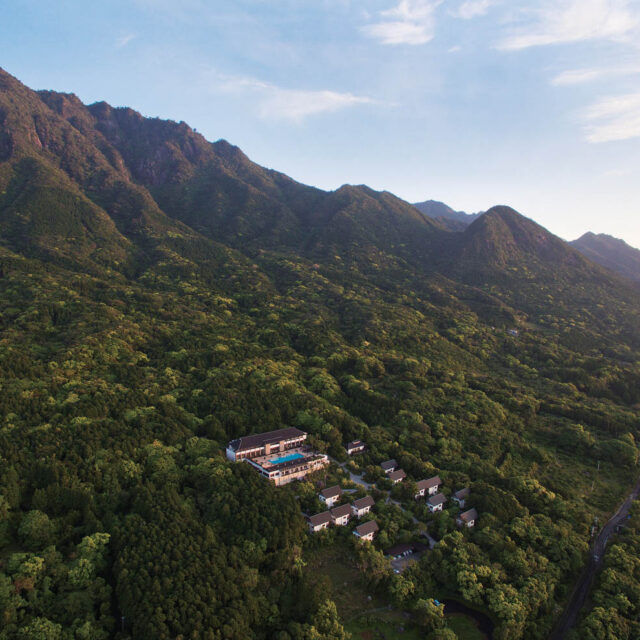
319	521
362	506
436	503
467	518
397	476
340	515
389	466
366	531
355	446
331	495
461	496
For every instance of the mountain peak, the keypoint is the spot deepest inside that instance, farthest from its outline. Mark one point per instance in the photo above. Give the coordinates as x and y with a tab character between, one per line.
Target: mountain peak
610	252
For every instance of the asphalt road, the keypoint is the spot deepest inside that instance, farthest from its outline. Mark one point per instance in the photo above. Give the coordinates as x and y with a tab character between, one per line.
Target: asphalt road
568	619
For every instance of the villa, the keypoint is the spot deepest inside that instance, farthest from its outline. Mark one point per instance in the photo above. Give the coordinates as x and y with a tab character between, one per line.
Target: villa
331	495
397	476
362	506
280	456
319	521
461	496
467	518
355	446
435	503
367	530
340	515
389	466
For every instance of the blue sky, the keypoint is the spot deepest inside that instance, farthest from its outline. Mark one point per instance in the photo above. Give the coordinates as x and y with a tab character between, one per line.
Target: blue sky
535	104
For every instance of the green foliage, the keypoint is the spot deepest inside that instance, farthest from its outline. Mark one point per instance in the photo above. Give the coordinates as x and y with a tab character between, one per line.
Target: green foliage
160	296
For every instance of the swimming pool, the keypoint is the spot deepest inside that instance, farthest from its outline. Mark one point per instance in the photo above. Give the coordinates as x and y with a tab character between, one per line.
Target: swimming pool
291	456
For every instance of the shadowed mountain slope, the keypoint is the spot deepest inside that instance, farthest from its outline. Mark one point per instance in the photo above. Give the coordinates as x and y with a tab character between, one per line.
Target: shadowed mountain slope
610	252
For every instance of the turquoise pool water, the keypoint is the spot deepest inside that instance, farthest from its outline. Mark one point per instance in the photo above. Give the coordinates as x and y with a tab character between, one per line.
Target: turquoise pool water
291	456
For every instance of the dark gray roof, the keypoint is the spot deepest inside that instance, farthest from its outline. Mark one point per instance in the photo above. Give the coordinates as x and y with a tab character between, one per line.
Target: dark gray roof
320	518
260	439
398	549
439	498
363	503
331	492
342	510
469	515
355	443
462	493
389	464
397	475
367	527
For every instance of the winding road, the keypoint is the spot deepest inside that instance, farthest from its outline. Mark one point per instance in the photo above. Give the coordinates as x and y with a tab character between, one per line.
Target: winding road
570	616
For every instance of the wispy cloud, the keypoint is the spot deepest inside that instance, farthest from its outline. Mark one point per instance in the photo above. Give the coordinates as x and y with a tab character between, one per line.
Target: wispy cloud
409	22
473	9
583	76
124	40
568	21
279	103
613	118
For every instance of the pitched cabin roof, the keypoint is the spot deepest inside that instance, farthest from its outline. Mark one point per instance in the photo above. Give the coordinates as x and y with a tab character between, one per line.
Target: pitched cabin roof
320	518
397	475
331	492
367	527
342	510
389	464
469	515
363	503
433	482
261	439
461	494
355	443
439	498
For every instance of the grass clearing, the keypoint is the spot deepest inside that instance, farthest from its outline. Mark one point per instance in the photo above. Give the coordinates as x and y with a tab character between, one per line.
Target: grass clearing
464	627
390	625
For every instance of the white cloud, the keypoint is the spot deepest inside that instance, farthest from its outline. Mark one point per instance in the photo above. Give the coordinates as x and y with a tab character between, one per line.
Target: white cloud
565	21
473	8
278	103
613	118
583	76
410	22
124	40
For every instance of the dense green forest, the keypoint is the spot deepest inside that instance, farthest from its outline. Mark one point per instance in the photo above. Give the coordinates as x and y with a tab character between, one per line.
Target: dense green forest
161	295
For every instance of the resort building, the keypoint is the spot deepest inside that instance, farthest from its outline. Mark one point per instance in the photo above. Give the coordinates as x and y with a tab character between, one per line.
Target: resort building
280	456
389	466
367	530
362	506
320	521
356	446
461	496
397	476
467	518
340	515
331	495
435	503
265	444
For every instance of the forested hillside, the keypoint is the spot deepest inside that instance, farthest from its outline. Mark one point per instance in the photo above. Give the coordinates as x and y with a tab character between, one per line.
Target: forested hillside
161	295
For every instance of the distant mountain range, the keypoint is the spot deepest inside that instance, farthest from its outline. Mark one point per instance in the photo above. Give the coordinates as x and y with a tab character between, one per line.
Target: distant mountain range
610	252
613	253
446	216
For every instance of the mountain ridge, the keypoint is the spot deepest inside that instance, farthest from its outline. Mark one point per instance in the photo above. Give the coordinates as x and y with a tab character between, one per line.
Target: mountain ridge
610	252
